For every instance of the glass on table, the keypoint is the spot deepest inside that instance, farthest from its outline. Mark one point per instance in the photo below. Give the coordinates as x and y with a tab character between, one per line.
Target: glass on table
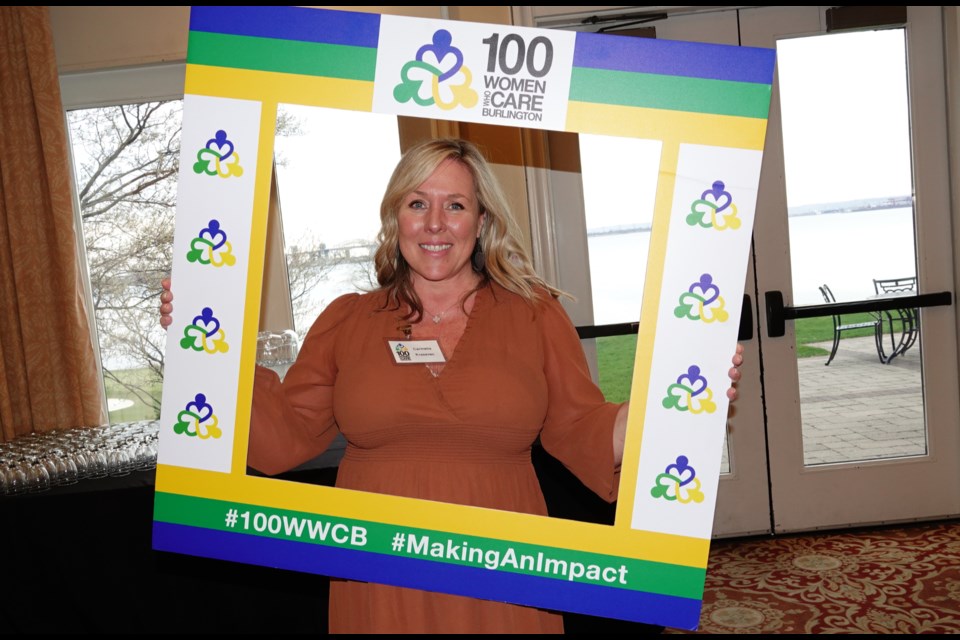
52	470
264	348
37	477
82	462
277	351
16	480
97	463
118	462
67	469
289	346
146	456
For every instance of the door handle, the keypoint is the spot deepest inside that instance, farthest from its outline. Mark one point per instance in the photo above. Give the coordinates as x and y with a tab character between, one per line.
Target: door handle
778	313
776	320
746	320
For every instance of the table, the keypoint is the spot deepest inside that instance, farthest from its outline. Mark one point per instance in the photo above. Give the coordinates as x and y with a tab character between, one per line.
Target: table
909	323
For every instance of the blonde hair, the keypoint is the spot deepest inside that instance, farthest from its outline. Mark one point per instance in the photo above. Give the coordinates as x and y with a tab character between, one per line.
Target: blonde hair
506	262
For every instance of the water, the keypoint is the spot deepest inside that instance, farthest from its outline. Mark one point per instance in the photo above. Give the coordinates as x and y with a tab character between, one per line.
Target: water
843	250
618	264
339	279
846	251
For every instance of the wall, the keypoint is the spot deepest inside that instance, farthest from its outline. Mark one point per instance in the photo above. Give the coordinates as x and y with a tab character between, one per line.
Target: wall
88	38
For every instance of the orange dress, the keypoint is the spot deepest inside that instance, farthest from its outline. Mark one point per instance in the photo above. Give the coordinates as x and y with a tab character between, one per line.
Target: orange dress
464	436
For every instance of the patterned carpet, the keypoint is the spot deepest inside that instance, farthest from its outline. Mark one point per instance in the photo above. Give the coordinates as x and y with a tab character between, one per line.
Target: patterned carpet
903	579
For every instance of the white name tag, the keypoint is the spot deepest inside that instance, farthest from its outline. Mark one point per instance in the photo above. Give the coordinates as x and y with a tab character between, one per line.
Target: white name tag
415	351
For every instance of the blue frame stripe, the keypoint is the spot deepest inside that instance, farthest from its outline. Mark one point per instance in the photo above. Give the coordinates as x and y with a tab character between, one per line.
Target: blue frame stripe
610	602
290	23
674	58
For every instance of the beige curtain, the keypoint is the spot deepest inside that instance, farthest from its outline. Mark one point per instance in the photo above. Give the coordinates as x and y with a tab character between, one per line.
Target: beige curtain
48	373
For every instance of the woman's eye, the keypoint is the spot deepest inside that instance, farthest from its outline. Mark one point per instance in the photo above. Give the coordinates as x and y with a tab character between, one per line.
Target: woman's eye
457	206
417	204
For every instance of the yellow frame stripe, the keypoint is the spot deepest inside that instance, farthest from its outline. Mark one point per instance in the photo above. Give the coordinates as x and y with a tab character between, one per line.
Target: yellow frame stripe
658	124
669	158
440	516
268	86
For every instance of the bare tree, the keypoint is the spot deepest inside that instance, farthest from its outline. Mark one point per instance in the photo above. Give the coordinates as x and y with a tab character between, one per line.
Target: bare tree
127	159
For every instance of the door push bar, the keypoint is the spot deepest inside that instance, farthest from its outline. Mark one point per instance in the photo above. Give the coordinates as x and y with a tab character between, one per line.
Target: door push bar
778	314
628	328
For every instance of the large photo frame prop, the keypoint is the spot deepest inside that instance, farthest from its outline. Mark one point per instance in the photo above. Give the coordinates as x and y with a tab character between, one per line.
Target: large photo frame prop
707	104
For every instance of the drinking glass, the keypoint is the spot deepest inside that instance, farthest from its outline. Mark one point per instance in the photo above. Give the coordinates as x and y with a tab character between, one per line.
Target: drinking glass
37	477
119	462
52	470
16	480
97	461
67	470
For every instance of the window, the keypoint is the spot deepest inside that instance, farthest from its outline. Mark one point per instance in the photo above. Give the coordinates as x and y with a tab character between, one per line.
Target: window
124	130
124	127
332	169
126	160
618	212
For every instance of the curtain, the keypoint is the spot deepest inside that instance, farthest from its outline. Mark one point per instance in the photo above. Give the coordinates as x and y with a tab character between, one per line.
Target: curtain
48	371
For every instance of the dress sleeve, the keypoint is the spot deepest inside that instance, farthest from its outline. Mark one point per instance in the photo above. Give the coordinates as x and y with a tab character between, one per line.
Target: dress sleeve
578	429
293	421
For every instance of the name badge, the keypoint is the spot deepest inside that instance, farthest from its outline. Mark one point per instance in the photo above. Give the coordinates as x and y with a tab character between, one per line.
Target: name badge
415	351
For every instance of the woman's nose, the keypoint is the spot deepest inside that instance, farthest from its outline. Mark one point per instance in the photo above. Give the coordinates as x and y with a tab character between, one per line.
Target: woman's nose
434	221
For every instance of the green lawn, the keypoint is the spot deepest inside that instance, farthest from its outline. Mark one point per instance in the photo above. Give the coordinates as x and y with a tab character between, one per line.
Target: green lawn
615	355
821	330
143	379
615	362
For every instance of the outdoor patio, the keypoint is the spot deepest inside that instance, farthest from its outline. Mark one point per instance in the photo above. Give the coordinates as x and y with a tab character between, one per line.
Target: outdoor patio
859	409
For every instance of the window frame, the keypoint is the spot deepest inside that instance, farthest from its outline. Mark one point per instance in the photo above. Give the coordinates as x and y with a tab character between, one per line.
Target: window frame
106	88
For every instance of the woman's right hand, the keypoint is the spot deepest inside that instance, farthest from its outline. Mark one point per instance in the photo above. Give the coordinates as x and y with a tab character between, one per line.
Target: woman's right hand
166	304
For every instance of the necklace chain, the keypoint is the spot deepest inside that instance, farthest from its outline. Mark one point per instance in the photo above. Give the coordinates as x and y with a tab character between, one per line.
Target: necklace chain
437	317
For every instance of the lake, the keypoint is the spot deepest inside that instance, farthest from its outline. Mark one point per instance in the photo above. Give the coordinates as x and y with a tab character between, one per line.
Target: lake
845	251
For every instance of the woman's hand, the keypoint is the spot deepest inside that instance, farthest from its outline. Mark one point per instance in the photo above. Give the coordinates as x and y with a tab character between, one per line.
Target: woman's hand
620	423
734	372
166	304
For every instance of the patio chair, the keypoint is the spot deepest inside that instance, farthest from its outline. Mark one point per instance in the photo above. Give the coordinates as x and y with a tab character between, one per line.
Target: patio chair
895	285
839	326
908	319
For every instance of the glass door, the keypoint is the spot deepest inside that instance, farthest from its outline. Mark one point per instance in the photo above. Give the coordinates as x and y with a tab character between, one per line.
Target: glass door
853	189
856	159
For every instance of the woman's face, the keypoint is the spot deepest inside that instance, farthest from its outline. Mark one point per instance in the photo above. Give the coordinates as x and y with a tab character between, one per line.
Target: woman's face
439	223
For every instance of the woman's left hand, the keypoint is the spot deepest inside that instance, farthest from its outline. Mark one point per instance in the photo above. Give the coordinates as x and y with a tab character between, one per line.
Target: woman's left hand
734	372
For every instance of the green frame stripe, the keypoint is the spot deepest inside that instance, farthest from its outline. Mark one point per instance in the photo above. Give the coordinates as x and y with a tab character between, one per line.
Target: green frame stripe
282	56
646	576
674	93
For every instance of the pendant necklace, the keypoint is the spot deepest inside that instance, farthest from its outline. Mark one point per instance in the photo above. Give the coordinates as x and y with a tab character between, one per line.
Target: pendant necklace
437	317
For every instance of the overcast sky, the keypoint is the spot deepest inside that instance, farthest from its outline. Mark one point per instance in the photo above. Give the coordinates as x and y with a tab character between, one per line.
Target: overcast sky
844	105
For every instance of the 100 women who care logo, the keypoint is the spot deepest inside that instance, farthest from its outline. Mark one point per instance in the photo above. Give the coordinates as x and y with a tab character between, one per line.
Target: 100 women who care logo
473	72
506	93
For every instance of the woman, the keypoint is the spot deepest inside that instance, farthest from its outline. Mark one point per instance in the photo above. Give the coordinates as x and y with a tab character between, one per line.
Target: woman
451	270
